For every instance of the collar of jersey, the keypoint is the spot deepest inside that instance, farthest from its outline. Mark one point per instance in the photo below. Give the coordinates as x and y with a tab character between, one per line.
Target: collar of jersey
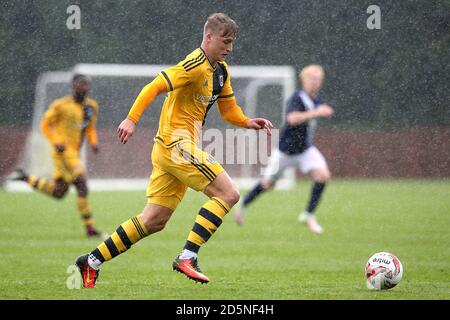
214	68
77	102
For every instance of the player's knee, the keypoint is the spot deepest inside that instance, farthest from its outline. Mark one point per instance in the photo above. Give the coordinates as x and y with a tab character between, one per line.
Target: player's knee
81	186
154	221
60	191
231	197
154	225
267	184
326	176
322	176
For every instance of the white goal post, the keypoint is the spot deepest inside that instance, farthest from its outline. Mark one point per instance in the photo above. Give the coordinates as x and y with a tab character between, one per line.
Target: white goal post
260	91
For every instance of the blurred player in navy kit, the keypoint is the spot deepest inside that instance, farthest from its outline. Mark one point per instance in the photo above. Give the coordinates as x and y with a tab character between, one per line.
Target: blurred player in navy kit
296	147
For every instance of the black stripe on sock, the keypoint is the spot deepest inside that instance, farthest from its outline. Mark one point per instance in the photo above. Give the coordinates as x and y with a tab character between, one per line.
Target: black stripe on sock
191	246
211	217
144	234
86	216
138	227
201	231
220	204
124	237
96	253
111	247
36	183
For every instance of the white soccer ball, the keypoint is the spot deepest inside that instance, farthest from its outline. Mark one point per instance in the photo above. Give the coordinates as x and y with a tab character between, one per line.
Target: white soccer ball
383	271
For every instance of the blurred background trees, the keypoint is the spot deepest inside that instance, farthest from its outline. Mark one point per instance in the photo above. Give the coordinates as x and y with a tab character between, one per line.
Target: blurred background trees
396	77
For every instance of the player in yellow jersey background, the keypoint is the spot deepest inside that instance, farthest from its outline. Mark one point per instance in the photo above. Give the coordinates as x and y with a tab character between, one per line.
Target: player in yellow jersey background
193	86
65	124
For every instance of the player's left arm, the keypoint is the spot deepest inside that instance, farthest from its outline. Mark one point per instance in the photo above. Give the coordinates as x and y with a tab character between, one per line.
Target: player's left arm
91	130
232	113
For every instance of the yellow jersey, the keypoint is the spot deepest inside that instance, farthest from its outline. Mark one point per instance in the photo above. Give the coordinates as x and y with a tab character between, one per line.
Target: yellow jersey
194	85
68	121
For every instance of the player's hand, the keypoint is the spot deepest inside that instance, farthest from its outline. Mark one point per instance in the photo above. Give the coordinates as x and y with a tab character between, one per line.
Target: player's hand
324	111
94	148
60	148
125	130
260	123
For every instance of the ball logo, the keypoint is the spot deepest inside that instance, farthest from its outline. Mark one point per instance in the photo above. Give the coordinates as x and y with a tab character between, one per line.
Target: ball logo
379	260
383	271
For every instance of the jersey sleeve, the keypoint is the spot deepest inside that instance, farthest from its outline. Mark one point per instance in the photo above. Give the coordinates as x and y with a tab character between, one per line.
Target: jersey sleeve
91	130
232	113
318	101
227	91
51	118
183	73
146	97
295	103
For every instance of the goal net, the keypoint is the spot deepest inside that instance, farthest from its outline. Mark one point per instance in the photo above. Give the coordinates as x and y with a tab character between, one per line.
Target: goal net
260	90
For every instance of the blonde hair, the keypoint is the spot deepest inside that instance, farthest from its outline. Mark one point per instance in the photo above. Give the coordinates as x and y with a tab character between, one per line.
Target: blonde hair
309	69
221	23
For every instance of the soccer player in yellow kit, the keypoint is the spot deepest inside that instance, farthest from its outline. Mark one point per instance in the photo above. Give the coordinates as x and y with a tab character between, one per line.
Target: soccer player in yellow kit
193	86
65	124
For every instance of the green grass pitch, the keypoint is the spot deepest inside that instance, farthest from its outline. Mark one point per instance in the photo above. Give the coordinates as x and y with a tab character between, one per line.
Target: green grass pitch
271	257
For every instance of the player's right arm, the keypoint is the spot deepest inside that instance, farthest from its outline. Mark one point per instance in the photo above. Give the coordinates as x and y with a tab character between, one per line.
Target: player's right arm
143	100
232	113
168	80
296	113
51	118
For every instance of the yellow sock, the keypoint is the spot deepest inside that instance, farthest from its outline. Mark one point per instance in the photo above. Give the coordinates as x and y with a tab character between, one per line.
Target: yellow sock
206	223
128	233
85	211
41	184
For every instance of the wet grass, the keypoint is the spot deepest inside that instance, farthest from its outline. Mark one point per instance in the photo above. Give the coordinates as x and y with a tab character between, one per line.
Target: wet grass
271	257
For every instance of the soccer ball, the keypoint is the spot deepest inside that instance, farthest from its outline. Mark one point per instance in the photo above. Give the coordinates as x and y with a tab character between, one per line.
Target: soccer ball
383	271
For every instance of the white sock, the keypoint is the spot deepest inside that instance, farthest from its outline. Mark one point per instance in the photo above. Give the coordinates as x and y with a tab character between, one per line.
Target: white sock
187	254
93	262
